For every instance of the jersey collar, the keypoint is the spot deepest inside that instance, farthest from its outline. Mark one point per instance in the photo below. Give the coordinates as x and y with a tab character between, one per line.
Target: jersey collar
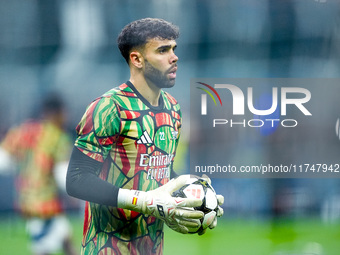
146	102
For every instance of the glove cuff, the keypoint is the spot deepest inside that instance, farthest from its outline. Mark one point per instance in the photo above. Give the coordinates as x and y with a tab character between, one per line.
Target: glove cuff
131	199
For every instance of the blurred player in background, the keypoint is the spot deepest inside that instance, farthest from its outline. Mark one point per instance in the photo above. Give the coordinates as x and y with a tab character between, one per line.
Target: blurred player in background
122	159
41	148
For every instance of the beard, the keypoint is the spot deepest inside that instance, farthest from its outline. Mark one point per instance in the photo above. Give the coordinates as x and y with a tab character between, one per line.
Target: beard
157	77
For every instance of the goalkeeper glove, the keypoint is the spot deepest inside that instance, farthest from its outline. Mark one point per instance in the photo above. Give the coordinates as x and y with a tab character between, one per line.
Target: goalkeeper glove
160	204
219	213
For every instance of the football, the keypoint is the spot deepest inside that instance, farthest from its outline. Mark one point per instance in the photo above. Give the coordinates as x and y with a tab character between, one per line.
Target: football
199	188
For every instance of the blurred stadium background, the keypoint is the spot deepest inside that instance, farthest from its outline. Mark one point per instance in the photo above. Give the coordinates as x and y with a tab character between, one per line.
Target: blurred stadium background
69	46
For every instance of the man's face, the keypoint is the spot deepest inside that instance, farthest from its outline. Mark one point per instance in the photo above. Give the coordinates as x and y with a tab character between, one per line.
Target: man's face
160	62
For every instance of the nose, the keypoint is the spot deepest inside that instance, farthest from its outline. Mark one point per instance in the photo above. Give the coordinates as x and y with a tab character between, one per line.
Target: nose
173	58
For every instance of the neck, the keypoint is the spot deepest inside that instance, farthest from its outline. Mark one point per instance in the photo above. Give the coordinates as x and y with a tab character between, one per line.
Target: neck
148	90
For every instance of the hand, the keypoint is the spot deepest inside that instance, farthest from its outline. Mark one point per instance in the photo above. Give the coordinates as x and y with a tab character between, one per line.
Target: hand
160	204
219	213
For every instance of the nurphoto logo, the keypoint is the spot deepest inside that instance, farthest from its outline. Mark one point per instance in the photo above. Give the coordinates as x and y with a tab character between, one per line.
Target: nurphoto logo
265	127
288	96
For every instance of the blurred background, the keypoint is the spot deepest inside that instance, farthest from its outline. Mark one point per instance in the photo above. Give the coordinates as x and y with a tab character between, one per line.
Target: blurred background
69	46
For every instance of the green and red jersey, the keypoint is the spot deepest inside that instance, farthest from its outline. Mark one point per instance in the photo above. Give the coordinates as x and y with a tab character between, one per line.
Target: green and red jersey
137	144
38	146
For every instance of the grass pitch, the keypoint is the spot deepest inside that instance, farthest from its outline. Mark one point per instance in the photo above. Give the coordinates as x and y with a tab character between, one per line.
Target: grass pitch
230	237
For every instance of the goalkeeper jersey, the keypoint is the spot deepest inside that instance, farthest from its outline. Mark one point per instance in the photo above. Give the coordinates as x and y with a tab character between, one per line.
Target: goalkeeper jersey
136	143
38	146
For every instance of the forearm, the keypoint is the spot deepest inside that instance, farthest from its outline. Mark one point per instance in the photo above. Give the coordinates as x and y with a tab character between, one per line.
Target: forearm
83	182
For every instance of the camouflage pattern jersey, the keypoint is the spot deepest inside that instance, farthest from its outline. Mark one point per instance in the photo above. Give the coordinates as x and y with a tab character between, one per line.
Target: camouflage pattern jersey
38	146
136	143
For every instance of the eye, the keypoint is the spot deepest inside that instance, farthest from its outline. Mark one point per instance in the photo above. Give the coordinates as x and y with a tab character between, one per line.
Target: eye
163	50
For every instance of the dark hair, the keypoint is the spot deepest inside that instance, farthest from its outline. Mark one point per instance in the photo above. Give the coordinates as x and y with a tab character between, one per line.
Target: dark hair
137	33
52	104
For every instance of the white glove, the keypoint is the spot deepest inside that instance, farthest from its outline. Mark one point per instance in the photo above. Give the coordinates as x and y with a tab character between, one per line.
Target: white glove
160	204
6	162
59	173
219	213
220	200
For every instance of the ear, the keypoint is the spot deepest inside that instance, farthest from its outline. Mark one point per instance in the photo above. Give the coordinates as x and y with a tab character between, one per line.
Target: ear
136	59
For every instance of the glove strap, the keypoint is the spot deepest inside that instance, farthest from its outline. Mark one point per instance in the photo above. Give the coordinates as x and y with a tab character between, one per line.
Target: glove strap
131	199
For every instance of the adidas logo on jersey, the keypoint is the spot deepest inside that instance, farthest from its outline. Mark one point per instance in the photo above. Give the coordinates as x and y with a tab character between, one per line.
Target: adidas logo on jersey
144	139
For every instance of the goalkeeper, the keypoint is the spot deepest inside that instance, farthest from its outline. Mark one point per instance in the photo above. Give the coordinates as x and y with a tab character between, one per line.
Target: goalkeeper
122	159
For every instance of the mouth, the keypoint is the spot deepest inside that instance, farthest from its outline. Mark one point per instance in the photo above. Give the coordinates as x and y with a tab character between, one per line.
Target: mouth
172	72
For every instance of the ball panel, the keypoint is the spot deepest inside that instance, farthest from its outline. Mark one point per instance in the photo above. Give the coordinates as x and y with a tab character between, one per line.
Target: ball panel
201	189
194	191
208	219
210	199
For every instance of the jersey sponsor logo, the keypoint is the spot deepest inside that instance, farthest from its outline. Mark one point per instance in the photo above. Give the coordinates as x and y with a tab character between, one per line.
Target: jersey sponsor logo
144	139
158	173
157	160
157	166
